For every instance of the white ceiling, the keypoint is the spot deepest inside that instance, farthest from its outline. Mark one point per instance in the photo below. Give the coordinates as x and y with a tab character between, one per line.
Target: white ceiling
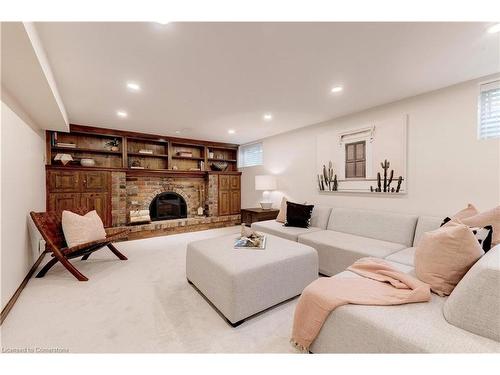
206	78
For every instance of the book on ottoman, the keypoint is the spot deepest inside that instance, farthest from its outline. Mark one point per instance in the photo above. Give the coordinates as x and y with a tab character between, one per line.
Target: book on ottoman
250	239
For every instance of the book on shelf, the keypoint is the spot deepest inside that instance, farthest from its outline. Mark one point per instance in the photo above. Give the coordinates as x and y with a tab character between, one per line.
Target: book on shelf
136	167
66	145
185	154
149	152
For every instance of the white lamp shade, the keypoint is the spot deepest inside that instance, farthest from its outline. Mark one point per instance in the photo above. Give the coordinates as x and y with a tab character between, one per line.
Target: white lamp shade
265	182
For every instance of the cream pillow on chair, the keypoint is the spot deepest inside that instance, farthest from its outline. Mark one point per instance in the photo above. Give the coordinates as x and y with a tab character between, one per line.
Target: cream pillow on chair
443	256
82	229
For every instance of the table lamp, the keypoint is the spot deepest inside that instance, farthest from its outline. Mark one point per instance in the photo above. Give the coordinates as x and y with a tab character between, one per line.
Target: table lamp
265	183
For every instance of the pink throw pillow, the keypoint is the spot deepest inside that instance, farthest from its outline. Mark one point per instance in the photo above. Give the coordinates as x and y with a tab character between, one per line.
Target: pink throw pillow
281	218
470	210
490	217
82	229
443	256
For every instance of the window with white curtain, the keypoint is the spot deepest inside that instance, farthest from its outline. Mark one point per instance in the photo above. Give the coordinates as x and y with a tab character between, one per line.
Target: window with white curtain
489	110
250	155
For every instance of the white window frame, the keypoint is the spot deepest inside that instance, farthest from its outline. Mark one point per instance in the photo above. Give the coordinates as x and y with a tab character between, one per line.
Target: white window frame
241	159
479	125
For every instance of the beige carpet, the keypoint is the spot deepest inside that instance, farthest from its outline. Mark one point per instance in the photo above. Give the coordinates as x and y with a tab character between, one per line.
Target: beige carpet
141	305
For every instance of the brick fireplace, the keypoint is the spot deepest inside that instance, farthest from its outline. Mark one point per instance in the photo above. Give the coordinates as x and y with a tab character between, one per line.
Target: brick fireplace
137	192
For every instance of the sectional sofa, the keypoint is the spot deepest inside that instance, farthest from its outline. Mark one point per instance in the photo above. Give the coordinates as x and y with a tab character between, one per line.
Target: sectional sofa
466	321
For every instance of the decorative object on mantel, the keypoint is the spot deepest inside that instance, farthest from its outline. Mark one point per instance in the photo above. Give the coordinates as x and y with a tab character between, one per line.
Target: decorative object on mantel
64	158
113	144
218	166
174	167
266	183
201	199
387	181
139	216
328	180
87	162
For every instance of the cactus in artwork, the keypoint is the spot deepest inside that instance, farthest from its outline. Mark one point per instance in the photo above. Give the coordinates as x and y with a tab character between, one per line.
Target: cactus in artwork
385	166
391	176
328	178
385	185
400	180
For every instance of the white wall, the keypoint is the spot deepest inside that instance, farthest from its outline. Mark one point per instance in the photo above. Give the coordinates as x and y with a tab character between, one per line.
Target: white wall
22	191
447	165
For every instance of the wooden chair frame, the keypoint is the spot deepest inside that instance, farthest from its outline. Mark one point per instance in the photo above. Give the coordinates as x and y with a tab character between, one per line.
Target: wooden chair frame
50	227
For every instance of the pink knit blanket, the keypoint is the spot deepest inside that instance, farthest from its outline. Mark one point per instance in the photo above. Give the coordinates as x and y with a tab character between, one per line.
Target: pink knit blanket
379	285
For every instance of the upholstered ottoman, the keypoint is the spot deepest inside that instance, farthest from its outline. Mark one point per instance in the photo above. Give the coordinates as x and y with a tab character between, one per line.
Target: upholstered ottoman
243	282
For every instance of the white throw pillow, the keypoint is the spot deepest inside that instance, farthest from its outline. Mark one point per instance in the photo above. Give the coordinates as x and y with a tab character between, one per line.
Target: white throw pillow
82	229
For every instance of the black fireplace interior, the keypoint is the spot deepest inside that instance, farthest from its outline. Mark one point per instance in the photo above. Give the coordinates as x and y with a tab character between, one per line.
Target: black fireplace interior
167	206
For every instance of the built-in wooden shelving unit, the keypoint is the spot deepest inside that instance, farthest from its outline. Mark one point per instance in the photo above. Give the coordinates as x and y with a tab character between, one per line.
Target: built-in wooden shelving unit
136	152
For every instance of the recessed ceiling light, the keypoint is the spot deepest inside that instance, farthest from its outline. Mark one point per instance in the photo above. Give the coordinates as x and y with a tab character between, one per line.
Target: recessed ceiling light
231	131
337	89
177	132
122	114
268	117
163	22
494	29
133	86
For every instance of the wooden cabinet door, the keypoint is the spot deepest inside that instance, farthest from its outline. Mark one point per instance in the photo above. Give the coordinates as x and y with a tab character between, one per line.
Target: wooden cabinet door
224	202
235	202
224	182
63	181
94	181
235	182
98	202
59	202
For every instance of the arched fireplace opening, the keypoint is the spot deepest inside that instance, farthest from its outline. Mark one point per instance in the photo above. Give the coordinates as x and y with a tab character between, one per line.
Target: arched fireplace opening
166	206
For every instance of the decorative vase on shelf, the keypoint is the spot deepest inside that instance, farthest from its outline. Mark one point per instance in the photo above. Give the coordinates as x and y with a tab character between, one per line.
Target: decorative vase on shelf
114	148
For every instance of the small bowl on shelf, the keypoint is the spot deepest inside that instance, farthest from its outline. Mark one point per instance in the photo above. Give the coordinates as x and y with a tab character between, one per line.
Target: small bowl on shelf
87	162
218	166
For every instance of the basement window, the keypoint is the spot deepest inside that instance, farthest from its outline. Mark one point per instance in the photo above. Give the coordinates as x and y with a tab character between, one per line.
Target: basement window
250	155
489	110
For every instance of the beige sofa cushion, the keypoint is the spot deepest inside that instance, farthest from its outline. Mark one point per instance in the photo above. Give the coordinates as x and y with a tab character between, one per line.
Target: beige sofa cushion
385	226
474	305
278	229
405	256
443	256
320	216
82	229
337	250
